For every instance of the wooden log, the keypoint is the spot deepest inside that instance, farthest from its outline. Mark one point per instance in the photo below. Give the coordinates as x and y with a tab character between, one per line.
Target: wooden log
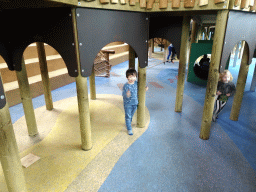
122	2
221	22
82	95
175	3
163	4
182	64
92	85
251	3
253	83
241	82
254	6
131	58
104	1
114	1
244	4
143	3
203	2
237	3
27	100
189	3
219	1
132	2
9	154
150	4
141	122
44	75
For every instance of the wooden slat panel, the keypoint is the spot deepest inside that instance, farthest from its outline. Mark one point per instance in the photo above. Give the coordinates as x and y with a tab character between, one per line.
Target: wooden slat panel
150	4
251	3
132	2
189	3
254	6
175	3
123	2
163	4
203	2
219	1
114	1
244	4
143	3
104	1
237	3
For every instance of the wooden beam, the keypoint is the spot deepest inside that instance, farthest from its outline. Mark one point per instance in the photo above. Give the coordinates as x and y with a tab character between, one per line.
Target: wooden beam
132	2
237	3
150	4
182	63
219	1
163	4
254	6
203	2
244	4
143	3
189	3
221	22
241	82
175	3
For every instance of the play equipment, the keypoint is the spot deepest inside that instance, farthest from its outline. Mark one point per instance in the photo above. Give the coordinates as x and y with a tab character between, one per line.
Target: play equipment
198	72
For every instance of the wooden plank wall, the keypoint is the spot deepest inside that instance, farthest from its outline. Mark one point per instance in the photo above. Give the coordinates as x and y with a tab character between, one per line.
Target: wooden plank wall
246	5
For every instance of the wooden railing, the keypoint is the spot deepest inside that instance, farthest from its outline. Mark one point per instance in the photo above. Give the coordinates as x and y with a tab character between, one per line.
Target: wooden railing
101	63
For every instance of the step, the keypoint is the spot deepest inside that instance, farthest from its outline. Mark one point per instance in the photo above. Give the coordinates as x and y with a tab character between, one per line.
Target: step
31	52
58	79
118	48
54	62
118	58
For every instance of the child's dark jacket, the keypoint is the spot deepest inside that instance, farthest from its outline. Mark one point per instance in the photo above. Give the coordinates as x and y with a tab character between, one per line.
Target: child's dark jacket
226	88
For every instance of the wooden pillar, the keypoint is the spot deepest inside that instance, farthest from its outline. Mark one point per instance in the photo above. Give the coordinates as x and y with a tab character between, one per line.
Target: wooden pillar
182	63
166	44
236	55
141	122
9	154
153	45
92	85
27	100
44	75
213	75
253	84
150	48
131	58
82	97
241	82
194	32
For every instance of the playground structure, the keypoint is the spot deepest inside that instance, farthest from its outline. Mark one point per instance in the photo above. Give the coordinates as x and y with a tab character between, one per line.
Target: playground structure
133	23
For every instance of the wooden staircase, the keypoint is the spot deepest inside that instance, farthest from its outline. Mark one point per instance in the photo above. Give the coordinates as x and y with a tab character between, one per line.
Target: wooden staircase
58	73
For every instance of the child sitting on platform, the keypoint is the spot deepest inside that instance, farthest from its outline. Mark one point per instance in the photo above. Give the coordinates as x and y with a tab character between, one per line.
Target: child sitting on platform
225	89
130	98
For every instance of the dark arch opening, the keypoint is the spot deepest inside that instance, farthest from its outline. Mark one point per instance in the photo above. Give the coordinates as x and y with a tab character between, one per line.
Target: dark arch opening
201	66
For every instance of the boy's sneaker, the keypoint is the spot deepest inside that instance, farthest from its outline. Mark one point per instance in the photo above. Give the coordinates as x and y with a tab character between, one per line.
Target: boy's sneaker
130	132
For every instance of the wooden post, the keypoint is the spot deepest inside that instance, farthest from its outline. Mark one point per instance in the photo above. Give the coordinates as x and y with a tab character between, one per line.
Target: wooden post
150	48
44	75
165	51
182	63
9	154
153	45
141	122
27	99
131	58
253	84
213	75
92	85
193	32
82	96
241	82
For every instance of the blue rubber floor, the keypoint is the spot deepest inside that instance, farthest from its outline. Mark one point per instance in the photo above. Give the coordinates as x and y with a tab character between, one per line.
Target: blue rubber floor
170	156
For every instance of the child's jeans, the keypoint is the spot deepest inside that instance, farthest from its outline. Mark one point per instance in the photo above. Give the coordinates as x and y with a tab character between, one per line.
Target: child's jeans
129	112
